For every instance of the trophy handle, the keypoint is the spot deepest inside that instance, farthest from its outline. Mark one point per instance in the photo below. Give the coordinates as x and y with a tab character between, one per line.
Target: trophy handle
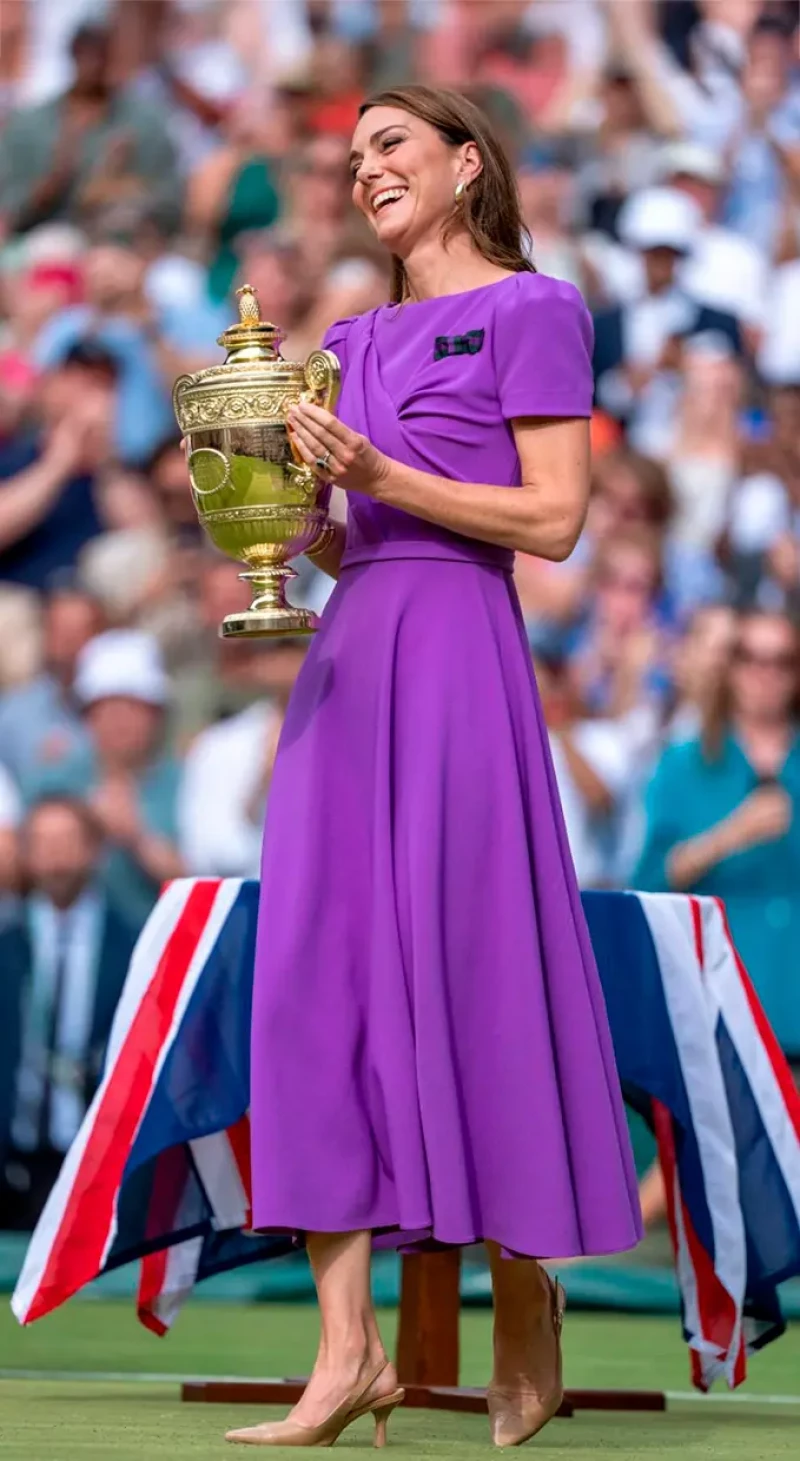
323	377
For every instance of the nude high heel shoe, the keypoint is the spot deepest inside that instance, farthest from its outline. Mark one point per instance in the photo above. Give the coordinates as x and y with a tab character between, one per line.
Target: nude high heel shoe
291	1433
515	1415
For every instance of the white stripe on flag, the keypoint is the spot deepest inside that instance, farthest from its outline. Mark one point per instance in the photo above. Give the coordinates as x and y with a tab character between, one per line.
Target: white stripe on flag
219	1174
743	1031
183	1261
693	1024
147	954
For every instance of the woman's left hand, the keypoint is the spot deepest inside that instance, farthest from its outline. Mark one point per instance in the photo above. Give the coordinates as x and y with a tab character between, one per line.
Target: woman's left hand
337	453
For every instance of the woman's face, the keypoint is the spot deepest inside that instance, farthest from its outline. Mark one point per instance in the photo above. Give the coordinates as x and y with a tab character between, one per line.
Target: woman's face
764	669
617	500
711	386
626	588
318	180
405	177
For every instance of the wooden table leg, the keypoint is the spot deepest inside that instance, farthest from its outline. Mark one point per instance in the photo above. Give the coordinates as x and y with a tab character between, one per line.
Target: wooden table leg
427	1341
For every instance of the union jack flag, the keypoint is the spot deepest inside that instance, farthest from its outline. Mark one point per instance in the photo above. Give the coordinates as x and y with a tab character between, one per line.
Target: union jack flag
159	1171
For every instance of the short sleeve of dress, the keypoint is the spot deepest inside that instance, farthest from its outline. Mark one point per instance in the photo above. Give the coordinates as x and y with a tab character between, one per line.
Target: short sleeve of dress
543	341
336	338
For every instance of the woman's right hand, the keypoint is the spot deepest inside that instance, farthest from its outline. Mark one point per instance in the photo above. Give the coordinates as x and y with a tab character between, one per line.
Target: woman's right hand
764	816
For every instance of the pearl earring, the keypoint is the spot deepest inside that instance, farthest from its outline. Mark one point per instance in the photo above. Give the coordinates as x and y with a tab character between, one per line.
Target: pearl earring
460	189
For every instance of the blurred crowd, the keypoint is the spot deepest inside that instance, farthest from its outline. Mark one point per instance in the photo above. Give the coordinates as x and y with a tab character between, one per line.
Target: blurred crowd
154	154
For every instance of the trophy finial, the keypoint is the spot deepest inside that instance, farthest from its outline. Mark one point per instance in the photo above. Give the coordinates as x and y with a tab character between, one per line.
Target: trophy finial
249	313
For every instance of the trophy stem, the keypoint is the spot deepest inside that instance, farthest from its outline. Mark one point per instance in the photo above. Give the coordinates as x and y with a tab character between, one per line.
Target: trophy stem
270	614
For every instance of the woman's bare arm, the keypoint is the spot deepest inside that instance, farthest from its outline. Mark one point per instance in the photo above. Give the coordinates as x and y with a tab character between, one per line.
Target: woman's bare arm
543	516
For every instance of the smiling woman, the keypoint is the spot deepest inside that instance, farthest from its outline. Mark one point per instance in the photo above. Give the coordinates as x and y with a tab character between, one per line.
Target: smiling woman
431	1060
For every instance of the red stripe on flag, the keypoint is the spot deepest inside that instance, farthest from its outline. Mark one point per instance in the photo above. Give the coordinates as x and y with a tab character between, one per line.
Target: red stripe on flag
152	1278
169	1184
697	924
76	1252
777	1059
719	1314
239	1138
716	1308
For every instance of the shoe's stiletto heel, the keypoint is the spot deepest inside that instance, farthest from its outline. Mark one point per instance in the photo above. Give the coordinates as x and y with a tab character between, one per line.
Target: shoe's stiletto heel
291	1433
515	1415
382	1411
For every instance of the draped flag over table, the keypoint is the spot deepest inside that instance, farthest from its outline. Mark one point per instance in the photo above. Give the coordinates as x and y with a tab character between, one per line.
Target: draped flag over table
160	1169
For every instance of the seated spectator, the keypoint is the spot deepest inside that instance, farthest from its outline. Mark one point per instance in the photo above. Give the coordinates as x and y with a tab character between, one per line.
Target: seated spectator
726	271
117	318
627	490
610	117
701	661
64	958
128	779
234	190
89	148
703	449
317	193
214	677
40	723
592	767
763	528
636	354
723	814
620	654
229	767
272	262
47	477
547	194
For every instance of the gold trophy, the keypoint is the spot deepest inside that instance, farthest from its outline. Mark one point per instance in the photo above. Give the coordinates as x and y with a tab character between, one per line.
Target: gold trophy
256	498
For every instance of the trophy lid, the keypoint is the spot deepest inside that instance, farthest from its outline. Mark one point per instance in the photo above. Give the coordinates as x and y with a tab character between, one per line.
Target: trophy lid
252	338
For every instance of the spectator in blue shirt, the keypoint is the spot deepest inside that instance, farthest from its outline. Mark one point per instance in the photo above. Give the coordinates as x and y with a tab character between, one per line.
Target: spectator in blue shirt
40	722
118	318
723	814
127	777
47	502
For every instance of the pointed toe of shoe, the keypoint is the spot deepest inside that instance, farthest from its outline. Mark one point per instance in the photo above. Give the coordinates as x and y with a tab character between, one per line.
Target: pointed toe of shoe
254	1435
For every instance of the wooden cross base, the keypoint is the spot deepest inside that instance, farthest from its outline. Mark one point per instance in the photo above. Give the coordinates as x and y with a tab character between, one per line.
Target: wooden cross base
427	1355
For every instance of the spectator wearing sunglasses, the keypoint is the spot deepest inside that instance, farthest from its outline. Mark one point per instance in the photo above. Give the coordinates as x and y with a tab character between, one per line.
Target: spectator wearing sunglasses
723	813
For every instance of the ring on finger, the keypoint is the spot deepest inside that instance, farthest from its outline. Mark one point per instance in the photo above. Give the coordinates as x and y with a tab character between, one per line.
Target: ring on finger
321	463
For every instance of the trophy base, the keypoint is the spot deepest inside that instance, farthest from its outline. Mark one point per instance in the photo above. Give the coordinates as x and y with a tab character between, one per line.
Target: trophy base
270	623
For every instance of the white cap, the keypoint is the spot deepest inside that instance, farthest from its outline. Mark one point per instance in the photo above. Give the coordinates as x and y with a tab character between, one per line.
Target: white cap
660	218
690	160
54	242
123	662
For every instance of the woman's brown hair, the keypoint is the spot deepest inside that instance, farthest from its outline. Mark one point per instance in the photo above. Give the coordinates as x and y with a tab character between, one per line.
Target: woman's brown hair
649	476
490	210
717	714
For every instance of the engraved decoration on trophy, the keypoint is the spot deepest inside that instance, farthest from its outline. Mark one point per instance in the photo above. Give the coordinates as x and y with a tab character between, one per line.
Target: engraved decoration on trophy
255	496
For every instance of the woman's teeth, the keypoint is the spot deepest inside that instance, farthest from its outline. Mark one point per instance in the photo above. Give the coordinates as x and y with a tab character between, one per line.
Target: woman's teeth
386	196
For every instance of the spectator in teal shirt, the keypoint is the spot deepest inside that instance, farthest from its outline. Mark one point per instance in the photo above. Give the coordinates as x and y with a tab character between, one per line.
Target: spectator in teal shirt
125	776
723	814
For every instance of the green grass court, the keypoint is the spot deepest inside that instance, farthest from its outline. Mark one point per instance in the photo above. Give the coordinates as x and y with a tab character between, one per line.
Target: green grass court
116	1407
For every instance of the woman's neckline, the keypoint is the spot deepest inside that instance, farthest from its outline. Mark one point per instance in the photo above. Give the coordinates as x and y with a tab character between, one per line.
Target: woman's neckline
406	304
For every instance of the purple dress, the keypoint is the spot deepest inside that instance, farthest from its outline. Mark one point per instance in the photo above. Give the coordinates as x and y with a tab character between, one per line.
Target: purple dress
431	1057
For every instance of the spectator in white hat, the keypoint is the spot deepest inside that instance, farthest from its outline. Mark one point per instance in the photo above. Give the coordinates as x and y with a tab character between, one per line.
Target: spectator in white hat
725	270
631	340
128	779
637	344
